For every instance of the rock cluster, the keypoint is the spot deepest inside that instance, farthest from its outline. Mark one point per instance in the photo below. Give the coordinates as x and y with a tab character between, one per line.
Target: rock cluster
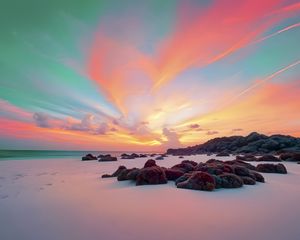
133	156
207	176
101	158
254	143
89	157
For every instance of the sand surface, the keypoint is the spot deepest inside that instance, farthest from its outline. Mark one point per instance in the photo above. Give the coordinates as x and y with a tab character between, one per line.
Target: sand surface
66	199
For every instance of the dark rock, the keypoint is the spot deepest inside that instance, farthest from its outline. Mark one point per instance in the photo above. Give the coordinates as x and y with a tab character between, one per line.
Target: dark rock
150	163
199	181
293	157
151	175
183	178
132	174
89	157
122	176
107	158
248	180
190	162
241	171
218	181
184	166
223	154
271	168
173	174
248	158
230	180
159	158
107	176
240	163
268	158
257	176
180	157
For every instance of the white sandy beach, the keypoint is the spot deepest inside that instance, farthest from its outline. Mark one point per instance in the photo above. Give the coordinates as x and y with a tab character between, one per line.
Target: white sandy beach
65	199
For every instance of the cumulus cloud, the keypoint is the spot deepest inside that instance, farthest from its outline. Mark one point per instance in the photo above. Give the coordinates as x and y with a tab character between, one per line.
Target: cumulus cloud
42	120
212	132
101	129
172	138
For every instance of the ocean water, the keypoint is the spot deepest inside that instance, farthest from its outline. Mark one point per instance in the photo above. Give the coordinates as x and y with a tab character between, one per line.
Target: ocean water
46	154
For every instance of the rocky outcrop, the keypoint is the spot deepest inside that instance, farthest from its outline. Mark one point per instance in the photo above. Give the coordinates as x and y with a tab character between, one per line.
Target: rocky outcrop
254	143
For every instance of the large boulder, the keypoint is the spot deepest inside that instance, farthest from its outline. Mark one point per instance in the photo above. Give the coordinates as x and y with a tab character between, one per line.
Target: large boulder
241	171
150	163
133	173
268	158
199	181
231	180
173	174
89	157
184	166
247	157
151	175
271	168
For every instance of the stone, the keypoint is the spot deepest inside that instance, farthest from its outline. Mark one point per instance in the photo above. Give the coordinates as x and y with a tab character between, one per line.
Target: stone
151	175
173	174
199	181
150	163
230	180
268	158
271	168
88	157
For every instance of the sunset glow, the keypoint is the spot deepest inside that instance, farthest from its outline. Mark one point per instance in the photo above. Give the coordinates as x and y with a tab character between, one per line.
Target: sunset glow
147	76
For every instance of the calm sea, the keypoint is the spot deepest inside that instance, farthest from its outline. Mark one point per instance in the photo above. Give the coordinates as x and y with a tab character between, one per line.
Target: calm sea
46	154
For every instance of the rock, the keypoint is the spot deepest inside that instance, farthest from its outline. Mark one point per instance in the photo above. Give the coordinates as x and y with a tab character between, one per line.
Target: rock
143	155
151	175
180	157
132	174
107	176
183	178
190	162
122	176
89	157
240	163
268	158
230	180
150	163
223	154
107	158
248	180
257	176
293	157
159	158
241	171
184	166
218	181
248	158
173	174
271	168
199	181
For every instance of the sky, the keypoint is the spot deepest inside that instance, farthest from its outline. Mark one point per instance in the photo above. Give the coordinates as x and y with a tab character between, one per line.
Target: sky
146	75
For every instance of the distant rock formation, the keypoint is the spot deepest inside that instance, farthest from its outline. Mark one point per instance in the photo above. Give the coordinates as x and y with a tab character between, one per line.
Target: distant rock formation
254	143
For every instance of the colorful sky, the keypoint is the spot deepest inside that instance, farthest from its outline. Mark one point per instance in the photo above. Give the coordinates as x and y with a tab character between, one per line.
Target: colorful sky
146	75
